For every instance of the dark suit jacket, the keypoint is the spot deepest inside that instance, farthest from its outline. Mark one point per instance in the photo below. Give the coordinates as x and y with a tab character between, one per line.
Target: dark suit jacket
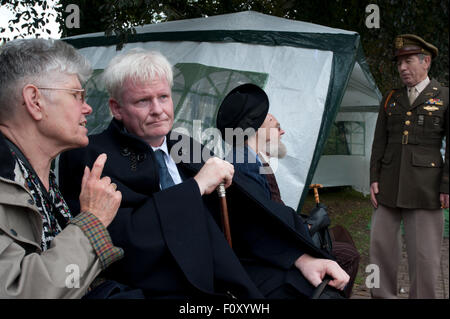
246	163
406	159
172	241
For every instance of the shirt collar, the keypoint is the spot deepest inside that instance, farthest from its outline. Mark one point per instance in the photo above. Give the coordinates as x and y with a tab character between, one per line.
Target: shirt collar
422	85
251	151
263	157
163	147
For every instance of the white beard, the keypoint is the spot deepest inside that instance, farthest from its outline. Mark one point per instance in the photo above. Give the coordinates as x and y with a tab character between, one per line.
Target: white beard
277	150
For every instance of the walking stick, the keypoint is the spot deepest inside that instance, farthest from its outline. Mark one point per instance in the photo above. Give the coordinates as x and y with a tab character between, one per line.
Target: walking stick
224	212
316	193
320	289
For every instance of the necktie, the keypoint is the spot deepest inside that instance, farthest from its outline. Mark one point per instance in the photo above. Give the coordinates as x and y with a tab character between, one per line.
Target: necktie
273	185
412	94
164	177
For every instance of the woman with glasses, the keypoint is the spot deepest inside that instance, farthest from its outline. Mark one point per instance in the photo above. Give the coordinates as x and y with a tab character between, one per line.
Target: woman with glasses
46	252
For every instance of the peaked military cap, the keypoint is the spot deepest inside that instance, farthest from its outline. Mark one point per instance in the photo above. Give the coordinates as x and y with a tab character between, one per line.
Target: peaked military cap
406	44
246	106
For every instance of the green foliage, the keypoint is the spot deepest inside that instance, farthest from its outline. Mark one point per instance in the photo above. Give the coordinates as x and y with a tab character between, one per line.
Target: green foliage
27	20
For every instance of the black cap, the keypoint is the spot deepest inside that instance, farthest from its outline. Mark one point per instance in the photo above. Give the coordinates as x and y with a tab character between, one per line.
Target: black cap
246	106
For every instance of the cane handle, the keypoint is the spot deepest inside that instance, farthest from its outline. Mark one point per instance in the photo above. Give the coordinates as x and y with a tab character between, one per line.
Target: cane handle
316	192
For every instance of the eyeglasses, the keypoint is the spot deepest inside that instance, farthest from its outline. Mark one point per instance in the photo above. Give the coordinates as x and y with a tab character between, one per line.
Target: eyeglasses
80	94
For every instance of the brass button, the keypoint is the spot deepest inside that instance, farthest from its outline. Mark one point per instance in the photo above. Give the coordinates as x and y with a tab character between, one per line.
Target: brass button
432	164
430	113
408	113
405	132
407	122
390	113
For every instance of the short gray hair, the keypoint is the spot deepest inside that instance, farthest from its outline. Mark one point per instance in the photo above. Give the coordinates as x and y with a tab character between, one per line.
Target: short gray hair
138	65
33	61
422	57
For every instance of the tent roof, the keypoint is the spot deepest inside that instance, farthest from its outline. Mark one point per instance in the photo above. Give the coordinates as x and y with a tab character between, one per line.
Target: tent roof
362	93
361	90
246	20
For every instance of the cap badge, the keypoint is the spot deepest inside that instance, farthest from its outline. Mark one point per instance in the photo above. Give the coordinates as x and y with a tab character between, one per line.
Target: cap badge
399	43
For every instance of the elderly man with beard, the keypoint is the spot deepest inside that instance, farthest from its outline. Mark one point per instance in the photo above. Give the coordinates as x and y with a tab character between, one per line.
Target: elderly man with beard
252	157
243	110
254	135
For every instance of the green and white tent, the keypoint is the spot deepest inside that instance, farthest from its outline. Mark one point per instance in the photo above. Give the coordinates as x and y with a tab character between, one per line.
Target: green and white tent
312	74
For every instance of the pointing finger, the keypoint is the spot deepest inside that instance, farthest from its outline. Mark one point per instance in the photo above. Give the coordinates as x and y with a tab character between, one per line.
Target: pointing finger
98	166
85	177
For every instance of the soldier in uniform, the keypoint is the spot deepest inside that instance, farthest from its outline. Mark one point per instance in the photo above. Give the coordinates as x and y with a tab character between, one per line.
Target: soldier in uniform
408	176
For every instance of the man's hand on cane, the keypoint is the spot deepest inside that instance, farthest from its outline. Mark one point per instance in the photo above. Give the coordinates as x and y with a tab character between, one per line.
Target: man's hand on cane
214	172
315	269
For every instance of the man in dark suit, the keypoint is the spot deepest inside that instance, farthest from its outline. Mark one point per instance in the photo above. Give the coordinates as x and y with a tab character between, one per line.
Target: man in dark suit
246	108
167	223
409	179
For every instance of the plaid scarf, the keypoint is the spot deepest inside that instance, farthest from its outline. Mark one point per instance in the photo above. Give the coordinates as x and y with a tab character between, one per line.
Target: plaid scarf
54	210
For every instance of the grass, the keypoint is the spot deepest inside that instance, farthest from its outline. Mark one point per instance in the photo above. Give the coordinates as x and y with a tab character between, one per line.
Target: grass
352	210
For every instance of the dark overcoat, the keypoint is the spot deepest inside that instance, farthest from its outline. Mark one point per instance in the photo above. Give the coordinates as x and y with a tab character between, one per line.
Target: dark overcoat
245	162
173	244
406	159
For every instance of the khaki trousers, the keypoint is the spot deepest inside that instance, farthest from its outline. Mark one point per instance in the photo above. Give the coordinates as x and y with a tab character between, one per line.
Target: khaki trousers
423	236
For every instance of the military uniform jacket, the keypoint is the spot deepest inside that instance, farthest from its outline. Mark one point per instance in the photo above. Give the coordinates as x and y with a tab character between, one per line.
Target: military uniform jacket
406	160
172	239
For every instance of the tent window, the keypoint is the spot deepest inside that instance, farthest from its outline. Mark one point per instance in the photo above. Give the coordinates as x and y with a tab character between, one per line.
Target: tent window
346	138
198	90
